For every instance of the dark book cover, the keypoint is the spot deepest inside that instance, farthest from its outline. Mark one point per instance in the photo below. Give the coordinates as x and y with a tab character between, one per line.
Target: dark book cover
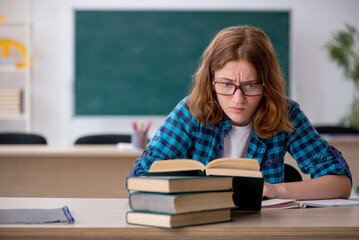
248	193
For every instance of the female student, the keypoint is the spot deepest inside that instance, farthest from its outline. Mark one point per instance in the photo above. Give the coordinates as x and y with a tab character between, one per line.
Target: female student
238	108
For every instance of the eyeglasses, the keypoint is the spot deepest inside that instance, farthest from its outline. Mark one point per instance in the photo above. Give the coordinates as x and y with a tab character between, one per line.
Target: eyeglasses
248	89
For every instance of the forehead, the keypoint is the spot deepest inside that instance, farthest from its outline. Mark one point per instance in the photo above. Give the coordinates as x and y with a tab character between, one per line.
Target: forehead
237	70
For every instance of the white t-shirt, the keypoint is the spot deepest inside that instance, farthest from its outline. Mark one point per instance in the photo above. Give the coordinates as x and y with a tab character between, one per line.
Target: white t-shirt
237	141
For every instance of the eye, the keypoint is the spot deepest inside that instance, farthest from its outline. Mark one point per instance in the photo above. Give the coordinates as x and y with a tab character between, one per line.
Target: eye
251	85
227	85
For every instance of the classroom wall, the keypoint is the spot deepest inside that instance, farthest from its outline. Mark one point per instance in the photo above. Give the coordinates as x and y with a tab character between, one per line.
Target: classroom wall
316	83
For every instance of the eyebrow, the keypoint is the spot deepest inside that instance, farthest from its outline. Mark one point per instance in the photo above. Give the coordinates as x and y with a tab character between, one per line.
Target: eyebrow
232	80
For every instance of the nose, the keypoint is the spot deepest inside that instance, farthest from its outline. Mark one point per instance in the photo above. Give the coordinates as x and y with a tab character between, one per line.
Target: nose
238	96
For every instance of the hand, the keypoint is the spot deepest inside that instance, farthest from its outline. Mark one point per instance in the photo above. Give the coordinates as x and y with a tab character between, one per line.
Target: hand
270	190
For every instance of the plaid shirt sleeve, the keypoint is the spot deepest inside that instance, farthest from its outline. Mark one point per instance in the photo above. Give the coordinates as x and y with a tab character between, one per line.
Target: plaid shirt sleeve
313	154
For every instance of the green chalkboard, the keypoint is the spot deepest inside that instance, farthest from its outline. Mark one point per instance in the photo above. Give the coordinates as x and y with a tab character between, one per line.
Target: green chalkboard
142	62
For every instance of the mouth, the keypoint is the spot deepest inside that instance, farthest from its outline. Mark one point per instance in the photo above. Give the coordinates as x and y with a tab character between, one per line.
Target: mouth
237	109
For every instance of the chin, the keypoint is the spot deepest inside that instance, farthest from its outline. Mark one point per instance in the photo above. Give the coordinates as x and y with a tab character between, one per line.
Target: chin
240	123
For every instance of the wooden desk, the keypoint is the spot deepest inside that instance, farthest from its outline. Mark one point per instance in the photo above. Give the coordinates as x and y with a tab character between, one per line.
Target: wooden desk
105	219
80	171
95	171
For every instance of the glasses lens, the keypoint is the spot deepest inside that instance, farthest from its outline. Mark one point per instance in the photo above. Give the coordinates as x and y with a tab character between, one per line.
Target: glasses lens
252	89
224	88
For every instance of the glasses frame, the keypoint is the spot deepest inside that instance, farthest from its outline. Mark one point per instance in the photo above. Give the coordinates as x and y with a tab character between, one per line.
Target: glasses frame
238	87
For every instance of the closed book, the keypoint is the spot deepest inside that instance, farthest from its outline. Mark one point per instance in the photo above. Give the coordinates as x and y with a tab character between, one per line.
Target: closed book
177	184
181	202
9	92
178	220
10	112
247	190
36	216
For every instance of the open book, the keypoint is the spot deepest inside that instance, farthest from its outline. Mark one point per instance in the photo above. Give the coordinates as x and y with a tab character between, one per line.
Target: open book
244	167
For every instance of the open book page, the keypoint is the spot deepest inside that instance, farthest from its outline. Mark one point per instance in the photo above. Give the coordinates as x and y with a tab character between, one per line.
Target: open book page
292	203
176	165
330	203
235	163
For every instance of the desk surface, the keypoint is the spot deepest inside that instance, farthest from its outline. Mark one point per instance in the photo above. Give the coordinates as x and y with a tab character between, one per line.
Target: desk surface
105	218
73	151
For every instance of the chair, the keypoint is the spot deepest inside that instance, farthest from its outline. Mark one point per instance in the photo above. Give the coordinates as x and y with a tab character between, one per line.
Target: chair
291	174
336	130
104	139
21	138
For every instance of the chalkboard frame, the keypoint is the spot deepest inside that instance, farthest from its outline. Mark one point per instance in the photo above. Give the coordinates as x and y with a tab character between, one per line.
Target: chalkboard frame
110	81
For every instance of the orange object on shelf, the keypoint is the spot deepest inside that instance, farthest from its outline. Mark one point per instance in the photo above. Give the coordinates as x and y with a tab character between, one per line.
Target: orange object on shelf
6	44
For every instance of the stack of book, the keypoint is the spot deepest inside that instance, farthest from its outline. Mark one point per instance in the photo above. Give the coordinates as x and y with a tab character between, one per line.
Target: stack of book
177	194
10	101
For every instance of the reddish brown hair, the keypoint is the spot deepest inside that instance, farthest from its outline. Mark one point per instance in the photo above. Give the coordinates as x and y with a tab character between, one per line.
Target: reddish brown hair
252	45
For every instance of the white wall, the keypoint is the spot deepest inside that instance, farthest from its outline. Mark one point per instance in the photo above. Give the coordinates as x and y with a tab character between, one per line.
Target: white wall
317	84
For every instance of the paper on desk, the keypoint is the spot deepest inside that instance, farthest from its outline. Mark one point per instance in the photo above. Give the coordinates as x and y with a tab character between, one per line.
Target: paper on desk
35	216
330	203
292	203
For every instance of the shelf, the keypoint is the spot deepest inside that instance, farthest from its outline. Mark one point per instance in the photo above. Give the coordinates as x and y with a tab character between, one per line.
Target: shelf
12	23
23	22
12	117
13	71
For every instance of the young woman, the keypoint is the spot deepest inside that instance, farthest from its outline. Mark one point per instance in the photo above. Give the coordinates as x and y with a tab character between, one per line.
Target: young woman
238	108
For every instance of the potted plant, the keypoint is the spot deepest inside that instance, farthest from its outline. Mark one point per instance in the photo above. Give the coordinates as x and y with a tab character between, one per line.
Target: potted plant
343	49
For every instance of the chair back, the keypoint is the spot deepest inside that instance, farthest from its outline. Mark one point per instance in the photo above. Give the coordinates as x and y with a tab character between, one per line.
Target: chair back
21	138
104	139
336	130
291	174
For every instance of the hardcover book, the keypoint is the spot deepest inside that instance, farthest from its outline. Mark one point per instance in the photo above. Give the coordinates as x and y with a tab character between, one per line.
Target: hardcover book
177	184
178	220
181	202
